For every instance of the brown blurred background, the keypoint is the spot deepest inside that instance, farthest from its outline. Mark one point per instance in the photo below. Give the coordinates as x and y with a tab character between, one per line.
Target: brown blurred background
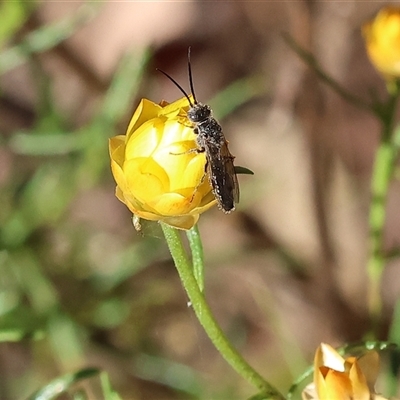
285	271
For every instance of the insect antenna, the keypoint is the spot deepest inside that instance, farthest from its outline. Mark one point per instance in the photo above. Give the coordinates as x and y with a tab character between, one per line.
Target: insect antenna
190	77
177	85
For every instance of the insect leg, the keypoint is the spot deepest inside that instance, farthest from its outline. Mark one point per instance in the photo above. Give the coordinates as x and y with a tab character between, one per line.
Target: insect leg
196	150
186	152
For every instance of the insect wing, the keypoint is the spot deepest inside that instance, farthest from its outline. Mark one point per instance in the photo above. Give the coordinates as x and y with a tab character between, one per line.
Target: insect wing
230	171
222	176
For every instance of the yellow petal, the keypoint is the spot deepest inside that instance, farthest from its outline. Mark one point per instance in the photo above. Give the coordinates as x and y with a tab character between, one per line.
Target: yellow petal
119	176
130	202
207	202
337	386
145	179
327	356
116	147
145	112
358	382
145	140
171	204
182	222
176	107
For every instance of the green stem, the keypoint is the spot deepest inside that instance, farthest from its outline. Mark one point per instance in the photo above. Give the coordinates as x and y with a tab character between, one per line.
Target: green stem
381	176
196	248
310	60
207	320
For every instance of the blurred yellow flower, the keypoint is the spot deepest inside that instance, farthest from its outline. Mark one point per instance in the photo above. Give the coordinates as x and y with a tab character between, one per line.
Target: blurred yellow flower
336	378
382	38
158	176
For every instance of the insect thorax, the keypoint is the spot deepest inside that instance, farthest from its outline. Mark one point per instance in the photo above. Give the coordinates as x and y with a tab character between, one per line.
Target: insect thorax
210	130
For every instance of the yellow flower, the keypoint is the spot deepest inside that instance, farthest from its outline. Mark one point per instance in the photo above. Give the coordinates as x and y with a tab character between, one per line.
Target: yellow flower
336	378
382	37
159	175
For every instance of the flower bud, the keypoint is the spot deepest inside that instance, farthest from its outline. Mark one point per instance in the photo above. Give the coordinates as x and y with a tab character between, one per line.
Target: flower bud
343	379
382	40
160	173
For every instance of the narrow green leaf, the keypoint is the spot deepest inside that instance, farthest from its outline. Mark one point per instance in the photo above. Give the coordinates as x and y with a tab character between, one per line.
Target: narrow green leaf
124	85
46	37
108	391
16	335
62	384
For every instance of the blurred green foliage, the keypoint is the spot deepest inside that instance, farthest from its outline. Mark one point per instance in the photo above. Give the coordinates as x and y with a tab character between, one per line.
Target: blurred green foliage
60	280
13	15
63	282
66	288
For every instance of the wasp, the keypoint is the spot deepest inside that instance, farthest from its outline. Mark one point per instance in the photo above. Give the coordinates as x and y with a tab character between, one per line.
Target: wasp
211	140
